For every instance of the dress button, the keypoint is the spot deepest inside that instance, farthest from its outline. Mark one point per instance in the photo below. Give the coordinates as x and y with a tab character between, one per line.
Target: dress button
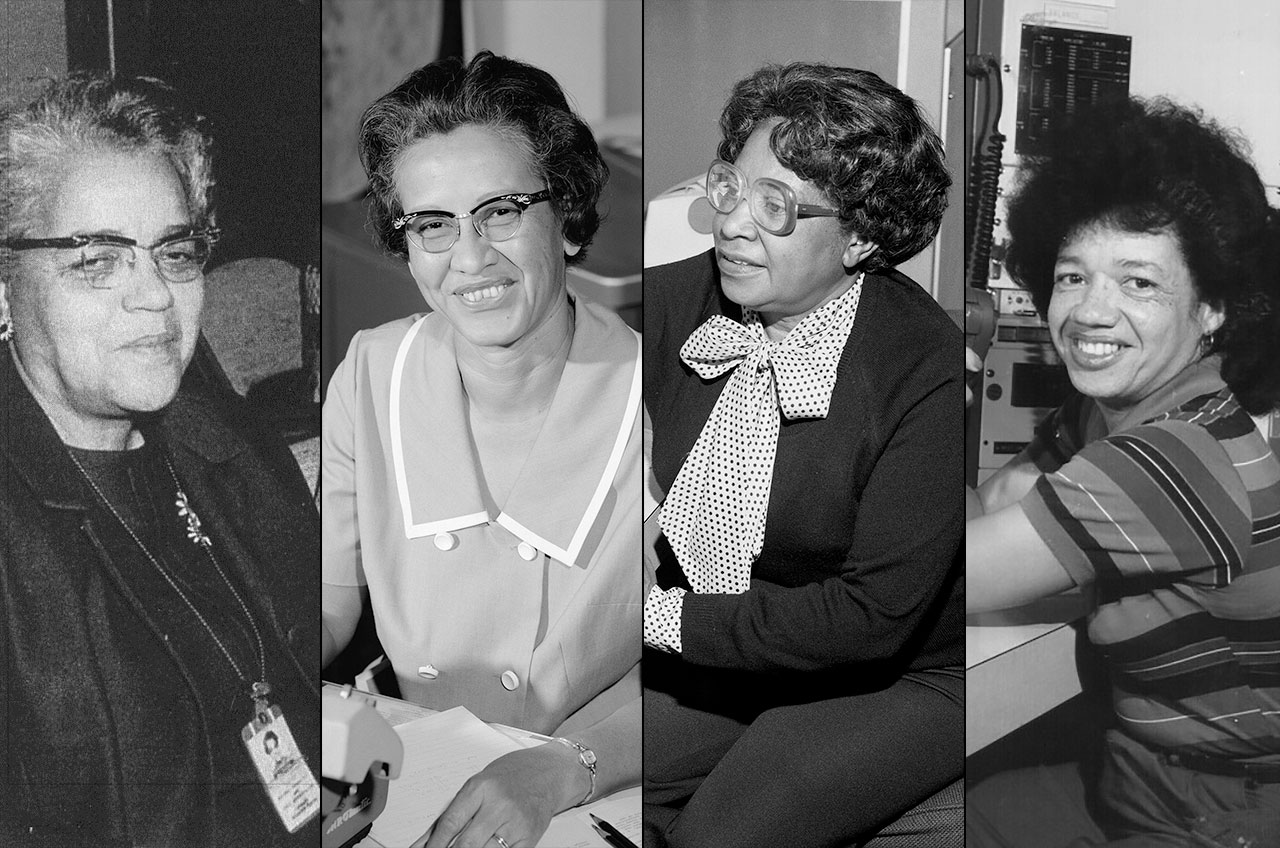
527	552
428	671
509	680
446	541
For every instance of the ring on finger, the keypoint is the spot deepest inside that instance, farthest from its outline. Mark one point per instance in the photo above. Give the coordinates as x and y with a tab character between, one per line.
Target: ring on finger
502	843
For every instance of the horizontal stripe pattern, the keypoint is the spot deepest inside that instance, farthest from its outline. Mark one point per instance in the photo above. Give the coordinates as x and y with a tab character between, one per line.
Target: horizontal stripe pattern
1176	522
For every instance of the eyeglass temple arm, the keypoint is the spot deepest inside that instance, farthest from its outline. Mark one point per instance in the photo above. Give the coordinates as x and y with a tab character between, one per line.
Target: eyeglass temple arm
811	211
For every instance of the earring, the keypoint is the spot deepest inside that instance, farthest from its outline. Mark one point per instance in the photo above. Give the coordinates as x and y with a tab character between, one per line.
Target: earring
6	329
1207	343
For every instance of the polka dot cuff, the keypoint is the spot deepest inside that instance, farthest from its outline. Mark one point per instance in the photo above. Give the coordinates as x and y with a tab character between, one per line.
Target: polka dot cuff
662	610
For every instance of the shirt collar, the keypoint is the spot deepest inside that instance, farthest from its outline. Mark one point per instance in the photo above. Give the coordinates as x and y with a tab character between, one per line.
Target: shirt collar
564	485
1202	377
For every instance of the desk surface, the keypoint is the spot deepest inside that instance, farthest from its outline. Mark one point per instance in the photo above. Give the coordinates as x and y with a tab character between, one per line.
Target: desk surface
611	807
1019	665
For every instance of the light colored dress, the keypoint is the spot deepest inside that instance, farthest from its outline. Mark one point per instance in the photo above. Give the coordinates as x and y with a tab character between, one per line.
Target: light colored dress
526	612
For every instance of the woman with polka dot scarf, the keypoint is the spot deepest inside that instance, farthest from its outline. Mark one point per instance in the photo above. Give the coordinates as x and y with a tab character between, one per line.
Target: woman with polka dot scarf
803	614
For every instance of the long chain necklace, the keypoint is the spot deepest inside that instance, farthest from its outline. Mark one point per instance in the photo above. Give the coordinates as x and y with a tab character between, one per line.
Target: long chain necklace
258	690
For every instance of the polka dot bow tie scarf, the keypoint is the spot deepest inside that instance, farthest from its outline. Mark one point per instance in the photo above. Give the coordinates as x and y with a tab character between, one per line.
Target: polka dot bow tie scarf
715	513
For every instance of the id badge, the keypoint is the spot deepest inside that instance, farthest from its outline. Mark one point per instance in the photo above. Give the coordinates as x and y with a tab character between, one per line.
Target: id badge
290	785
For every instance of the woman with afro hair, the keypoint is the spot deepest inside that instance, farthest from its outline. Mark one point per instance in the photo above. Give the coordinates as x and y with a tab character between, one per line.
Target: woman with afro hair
1146	241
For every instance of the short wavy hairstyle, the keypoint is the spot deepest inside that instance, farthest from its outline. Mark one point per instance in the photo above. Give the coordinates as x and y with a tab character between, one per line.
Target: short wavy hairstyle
522	103
864	143
1152	166
87	113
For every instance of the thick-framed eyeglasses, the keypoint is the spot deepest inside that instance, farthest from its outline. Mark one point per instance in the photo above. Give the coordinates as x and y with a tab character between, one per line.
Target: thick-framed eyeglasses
495	219
101	258
772	202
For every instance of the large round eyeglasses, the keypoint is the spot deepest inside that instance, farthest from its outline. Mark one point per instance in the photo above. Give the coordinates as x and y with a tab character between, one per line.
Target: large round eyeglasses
772	202
495	219
99	259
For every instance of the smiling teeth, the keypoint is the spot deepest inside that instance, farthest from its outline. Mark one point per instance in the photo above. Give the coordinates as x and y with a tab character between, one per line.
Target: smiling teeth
1098	348
478	295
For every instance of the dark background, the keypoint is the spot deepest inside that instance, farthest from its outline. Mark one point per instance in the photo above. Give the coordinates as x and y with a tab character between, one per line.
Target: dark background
252	67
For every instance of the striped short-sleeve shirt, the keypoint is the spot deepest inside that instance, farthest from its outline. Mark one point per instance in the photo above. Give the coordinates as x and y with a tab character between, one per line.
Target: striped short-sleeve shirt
1173	521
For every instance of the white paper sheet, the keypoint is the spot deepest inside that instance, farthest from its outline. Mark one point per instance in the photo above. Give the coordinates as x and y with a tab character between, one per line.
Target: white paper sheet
440	752
444	749
621	809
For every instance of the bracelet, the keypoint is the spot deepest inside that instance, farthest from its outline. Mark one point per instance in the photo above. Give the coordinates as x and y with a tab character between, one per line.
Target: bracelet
588	759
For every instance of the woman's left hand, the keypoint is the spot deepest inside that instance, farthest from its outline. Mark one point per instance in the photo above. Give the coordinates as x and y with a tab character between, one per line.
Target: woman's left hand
972	364
513	797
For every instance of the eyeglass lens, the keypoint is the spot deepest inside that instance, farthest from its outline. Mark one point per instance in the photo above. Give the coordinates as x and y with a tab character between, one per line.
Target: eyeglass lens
767	201
178	261
437	232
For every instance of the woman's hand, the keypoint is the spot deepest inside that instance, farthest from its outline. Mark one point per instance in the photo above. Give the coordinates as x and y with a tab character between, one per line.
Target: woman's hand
973	364
514	797
972	505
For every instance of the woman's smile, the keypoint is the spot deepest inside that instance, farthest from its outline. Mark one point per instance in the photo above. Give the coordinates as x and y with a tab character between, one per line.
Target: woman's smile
154	342
495	292
1096	354
1124	314
96	357
485	294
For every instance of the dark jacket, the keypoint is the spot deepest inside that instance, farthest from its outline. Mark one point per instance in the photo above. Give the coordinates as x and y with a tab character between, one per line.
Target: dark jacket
861	573
60	761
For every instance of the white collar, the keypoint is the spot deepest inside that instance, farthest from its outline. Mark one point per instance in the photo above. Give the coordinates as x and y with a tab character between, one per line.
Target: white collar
560	493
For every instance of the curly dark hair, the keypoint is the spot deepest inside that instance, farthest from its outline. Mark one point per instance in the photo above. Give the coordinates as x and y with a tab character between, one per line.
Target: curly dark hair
1151	166
862	141
522	103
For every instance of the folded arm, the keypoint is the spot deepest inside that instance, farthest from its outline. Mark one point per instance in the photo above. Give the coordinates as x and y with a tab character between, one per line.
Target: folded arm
903	558
1007	563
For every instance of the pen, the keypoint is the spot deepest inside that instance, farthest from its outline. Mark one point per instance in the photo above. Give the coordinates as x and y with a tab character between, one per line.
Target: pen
611	833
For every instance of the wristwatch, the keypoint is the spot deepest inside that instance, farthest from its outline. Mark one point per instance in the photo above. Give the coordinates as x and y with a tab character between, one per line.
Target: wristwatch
588	759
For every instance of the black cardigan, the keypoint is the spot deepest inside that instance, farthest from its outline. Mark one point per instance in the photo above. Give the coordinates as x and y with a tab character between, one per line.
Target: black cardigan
862	564
60	766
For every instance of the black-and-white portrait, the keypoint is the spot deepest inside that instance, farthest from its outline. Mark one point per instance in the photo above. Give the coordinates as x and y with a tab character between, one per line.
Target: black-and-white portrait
1122	573
158	532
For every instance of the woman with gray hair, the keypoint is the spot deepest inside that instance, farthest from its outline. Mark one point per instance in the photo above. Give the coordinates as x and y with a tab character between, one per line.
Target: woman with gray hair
155	573
481	470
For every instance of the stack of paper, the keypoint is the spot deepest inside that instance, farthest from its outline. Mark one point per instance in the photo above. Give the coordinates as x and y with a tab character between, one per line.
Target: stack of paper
440	752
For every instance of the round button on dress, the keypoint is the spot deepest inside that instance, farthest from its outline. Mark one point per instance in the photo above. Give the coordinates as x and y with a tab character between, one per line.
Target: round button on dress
510	681
527	552
446	541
